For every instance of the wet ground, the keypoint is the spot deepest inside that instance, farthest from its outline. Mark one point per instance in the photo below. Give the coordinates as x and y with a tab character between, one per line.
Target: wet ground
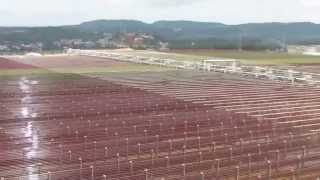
56	125
177	125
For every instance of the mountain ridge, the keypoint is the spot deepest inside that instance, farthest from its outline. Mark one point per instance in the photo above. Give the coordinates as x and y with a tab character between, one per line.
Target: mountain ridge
205	34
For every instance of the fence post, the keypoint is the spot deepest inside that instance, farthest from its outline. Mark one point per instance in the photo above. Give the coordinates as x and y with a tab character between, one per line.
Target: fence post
131	167
218	168
146	173
139	150
70	155
80	170
236	132
118	162
145	135
184	153
303	156
185	125
95	151
241	145
269	170
92	172
170	147
237	173
168	161
39	167
298	168
127	148
231	153
184	171
157	145
278	159
202	175
49	175
104	177
152	157
249	165
185	138
285	147
292	174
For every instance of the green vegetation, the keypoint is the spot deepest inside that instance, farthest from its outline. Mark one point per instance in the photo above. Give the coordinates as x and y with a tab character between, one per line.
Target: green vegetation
246	57
112	69
21	72
82	70
254	57
179	34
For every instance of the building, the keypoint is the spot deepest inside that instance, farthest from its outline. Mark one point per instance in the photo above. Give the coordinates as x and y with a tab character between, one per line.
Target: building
306	50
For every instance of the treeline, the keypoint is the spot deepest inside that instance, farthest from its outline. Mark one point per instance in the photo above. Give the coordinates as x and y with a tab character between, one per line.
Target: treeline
245	44
178	34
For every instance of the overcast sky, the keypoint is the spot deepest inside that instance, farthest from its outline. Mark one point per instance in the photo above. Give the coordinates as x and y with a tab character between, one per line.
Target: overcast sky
61	12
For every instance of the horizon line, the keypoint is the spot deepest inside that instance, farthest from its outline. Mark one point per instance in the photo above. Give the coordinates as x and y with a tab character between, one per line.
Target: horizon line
152	22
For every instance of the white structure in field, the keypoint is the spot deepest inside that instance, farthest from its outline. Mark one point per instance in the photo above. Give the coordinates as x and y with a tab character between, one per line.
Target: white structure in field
33	54
313	51
305	50
216	65
224	65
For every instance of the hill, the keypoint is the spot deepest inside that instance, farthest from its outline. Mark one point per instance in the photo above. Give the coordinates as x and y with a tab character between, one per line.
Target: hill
179	34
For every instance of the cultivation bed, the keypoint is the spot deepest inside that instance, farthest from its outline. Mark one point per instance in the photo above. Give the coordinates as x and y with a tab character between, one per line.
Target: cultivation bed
67	62
155	125
6	64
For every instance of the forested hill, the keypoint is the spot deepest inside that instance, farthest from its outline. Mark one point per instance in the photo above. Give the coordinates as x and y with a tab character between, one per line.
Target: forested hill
186	30
177	33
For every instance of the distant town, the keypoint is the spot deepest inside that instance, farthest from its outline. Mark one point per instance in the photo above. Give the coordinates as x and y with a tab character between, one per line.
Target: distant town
109	41
110	34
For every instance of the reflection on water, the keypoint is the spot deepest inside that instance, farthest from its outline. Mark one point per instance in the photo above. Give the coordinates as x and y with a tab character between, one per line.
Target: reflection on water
34	115
24	84
31	152
26	99
33	173
29	132
25	112
26	87
33	138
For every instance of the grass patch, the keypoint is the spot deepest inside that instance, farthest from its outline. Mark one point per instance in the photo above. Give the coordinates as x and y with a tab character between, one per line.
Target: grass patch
37	73
246	57
83	70
122	68
251	57
21	72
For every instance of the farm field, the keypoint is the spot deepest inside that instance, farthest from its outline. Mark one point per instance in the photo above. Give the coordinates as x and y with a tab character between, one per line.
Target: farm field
88	118
284	60
260	58
310	64
69	64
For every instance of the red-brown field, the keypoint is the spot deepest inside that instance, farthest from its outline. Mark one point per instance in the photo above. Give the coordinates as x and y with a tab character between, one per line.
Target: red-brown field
155	125
9	64
68	62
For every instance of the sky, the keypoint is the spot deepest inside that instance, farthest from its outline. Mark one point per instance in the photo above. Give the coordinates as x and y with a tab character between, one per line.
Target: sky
67	12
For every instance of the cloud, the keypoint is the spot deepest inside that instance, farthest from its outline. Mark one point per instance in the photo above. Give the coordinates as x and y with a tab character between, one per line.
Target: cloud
59	12
172	3
311	3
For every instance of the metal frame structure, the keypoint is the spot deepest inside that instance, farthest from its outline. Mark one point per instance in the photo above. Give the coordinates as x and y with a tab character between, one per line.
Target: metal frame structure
231	66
